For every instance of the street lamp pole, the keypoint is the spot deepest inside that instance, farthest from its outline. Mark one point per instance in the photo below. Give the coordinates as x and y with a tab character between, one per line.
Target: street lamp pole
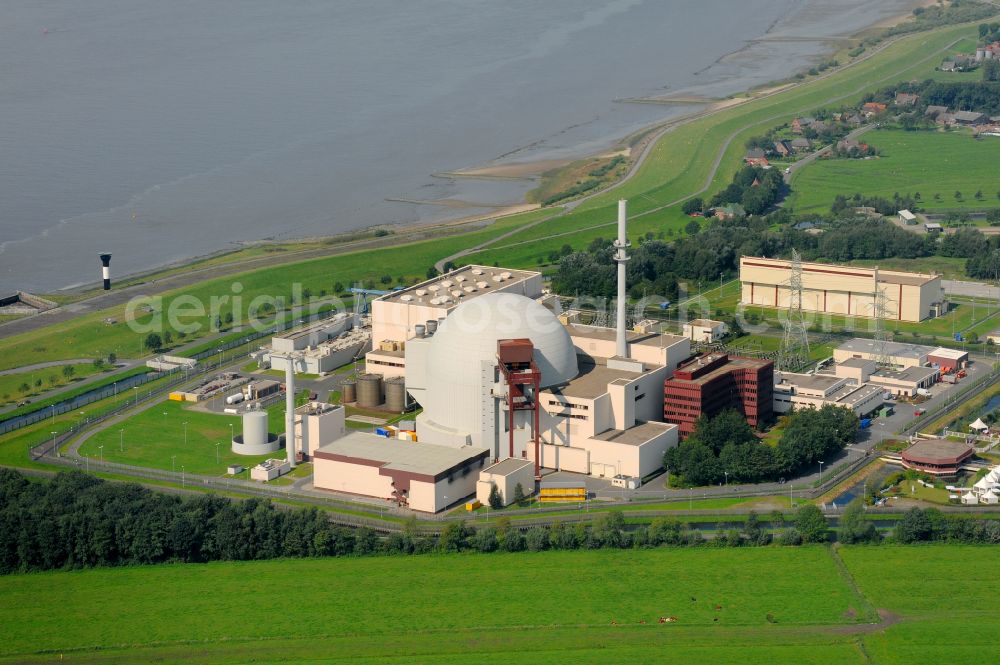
182	476
173	464
55	449
217	452
821	472
121	440
185	434
101	450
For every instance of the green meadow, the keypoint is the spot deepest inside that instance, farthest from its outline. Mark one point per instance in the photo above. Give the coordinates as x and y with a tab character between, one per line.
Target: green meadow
755	605
935	163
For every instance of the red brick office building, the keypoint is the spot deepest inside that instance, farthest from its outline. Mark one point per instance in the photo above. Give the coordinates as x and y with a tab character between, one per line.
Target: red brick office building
713	383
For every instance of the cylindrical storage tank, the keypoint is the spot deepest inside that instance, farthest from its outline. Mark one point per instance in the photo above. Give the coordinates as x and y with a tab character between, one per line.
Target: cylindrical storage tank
255	428
419	330
369	390
431	326
349	392
395	395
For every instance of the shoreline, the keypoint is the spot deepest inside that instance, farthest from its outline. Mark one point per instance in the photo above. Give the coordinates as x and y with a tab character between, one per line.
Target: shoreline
632	146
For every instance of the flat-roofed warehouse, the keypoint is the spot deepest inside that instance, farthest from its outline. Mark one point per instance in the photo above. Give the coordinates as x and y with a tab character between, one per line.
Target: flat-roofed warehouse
899	354
844	290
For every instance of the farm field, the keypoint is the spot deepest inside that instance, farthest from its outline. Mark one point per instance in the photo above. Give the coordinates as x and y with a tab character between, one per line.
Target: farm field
767	605
934	163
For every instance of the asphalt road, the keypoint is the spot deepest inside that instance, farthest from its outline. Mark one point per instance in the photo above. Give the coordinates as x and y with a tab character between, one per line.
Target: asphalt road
970	289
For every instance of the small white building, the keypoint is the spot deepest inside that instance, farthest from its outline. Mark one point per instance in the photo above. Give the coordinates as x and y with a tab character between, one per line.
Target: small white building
316	424
907	217
705	330
270	469
506	475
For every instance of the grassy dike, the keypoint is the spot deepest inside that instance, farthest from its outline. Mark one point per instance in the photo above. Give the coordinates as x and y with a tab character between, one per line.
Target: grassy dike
803	605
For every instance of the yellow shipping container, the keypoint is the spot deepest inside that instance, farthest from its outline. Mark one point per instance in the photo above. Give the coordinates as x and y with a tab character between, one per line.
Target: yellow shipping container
472	505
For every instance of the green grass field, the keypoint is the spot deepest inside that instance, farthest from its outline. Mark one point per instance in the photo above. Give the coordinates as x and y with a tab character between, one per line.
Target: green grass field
934	163
551	607
152	439
52	377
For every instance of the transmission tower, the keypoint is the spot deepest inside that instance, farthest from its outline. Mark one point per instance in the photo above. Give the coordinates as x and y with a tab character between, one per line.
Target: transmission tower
795	342
880	336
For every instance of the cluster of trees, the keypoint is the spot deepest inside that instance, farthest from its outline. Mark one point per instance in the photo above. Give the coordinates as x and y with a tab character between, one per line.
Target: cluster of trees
754	188
725	448
851	239
843	205
657	265
930	524
76	521
932	16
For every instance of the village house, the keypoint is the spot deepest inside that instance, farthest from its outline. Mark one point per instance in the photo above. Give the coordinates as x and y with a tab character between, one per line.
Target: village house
846	145
799	124
945	119
873	108
801	145
819	126
969	118
731	211
934	111
782	148
906	99
756	157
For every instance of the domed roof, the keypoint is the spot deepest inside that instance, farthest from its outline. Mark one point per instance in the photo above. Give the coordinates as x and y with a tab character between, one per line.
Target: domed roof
470	334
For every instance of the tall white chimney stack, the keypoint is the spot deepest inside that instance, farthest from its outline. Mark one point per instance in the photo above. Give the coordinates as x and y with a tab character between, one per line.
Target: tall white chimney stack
621	244
290	409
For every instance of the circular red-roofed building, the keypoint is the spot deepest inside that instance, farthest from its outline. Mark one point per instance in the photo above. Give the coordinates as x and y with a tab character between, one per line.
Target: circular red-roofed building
938	457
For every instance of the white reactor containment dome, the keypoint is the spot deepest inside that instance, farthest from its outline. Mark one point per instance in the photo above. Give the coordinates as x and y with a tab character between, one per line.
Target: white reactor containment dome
463	352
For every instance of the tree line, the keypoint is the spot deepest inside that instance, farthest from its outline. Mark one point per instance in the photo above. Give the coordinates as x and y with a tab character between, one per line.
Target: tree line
77	521
725	448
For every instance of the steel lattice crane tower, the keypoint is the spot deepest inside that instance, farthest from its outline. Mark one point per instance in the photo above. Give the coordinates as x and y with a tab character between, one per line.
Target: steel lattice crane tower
880	336
795	341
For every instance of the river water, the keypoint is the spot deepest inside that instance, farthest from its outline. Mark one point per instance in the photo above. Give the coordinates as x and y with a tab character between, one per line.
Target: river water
159	131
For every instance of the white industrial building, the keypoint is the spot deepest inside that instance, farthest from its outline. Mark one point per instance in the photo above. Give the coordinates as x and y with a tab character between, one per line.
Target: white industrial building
506	476
316	423
319	347
898	353
794	391
705	331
